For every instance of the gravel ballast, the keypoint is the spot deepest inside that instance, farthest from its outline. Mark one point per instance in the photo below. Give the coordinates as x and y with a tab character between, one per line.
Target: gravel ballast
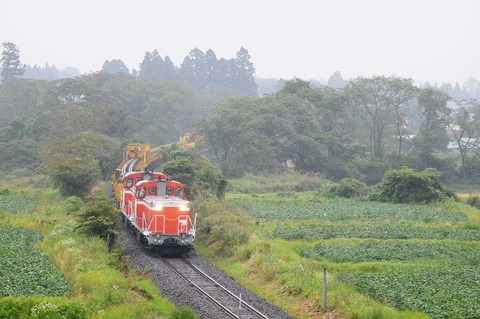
180	292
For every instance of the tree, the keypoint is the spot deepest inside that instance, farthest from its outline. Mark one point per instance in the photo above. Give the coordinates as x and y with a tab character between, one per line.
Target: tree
382	101
333	118
151	66
472	86
169	70
78	105
194	69
213	76
46	73
245	73
12	68
464	126
75	162
196	172
432	134
295	86
336	81
115	66
402	93
243	134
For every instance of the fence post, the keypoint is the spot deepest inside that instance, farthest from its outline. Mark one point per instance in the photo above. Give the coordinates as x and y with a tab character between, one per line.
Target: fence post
324	303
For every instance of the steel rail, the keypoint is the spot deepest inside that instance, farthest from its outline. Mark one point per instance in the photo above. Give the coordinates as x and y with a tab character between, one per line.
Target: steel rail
216	284
251	308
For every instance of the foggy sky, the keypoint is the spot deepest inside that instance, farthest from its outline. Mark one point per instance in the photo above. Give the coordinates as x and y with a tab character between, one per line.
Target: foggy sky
427	40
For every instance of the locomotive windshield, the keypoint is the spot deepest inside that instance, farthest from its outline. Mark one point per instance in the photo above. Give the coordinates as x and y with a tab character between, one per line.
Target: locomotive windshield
179	192
142	192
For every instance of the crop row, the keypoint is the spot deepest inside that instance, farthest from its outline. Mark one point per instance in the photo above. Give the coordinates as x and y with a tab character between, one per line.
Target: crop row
17	203
25	270
395	250
345	211
440	293
375	231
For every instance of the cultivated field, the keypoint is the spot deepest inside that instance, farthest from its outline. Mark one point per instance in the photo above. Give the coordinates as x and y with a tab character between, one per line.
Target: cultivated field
415	261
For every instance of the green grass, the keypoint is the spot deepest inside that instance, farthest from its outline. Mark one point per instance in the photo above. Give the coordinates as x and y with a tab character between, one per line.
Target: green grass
282	183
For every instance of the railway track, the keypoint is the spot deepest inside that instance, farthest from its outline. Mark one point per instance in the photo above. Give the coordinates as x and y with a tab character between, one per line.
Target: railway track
232	305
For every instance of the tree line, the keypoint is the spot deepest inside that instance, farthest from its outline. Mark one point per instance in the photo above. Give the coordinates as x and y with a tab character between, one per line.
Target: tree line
73	129
199	70
359	131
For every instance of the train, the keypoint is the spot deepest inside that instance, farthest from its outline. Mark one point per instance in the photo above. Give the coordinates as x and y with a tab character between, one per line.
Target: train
152	205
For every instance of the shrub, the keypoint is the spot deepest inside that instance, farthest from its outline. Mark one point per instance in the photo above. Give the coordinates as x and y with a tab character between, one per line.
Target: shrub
99	218
406	186
474	201
349	188
183	313
73	204
194	171
41	307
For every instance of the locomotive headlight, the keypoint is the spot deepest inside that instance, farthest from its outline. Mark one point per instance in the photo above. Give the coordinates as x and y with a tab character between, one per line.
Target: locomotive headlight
184	208
158	206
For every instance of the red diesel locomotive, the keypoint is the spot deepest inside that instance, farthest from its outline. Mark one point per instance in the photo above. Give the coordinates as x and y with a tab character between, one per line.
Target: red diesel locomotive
152	205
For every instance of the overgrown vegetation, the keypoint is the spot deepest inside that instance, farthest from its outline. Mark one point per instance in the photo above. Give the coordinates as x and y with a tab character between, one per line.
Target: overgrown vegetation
406	186
99	217
349	188
196	172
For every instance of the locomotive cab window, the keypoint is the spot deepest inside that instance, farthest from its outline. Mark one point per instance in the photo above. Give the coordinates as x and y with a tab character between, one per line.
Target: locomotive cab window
129	183
138	179
169	190
152	190
142	192
179	192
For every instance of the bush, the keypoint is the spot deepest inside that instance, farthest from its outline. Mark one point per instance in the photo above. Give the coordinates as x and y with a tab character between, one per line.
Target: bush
183	313
349	188
406	186
196	172
41	307
99	217
73	204
474	201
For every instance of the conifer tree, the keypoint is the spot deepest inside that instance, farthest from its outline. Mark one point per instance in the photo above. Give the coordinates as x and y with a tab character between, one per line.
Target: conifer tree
10	62
245	73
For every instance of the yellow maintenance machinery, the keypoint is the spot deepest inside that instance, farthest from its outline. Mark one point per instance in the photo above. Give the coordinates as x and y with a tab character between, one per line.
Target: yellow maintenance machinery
136	157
